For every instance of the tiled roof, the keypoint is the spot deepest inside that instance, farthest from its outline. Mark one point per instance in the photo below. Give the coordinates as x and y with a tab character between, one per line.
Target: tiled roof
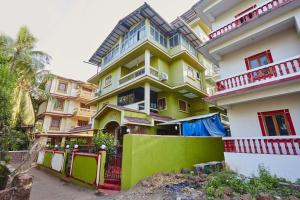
159	117
81	128
138	120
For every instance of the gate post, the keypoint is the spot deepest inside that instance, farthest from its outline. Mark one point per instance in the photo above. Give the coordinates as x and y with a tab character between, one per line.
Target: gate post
102	167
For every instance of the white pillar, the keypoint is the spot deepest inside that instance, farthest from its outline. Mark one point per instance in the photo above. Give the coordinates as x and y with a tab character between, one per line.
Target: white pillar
147	61
147	98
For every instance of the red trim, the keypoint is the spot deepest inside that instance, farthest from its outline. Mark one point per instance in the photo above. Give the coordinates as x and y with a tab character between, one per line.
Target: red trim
263	131
289	118
286	112
267	53
244	11
211	98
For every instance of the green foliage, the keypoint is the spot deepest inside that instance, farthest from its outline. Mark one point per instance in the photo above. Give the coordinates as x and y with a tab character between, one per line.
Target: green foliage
13	140
106	139
264	182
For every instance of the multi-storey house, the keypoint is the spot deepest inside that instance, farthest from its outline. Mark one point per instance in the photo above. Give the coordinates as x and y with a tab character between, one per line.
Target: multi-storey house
149	72
67	107
256	44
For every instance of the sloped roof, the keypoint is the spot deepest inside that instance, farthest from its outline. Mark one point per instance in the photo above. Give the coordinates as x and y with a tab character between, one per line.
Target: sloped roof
123	26
81	128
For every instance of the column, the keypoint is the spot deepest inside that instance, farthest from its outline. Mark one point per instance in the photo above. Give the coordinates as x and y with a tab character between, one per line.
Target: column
63	142
147	62
147	98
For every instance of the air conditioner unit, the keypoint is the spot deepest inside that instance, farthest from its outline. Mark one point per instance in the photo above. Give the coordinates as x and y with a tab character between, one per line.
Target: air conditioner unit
163	76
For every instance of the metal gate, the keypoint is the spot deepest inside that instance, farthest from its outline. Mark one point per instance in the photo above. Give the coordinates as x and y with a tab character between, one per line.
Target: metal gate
113	166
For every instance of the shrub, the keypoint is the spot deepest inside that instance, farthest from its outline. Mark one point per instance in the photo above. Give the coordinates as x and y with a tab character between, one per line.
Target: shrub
106	139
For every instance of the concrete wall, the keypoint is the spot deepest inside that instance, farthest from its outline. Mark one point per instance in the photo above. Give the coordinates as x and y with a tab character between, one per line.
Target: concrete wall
282	45
146	155
228	16
244	120
285	166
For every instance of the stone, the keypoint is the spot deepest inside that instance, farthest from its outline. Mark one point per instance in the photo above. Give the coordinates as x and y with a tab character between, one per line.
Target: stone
228	191
264	196
185	171
23	185
246	197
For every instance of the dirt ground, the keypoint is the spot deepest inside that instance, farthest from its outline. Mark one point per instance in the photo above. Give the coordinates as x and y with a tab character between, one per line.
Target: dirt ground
166	186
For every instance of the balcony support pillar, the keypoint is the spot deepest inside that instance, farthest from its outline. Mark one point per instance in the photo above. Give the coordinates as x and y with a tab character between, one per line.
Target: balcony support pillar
147	98
147	62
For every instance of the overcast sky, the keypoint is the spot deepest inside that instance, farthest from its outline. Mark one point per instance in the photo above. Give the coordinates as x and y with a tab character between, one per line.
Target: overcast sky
71	30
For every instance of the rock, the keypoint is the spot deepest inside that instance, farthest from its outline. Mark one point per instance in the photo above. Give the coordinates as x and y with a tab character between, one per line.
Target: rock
199	168
293	198
185	171
264	196
246	197
179	176
203	177
23	185
145	183
228	191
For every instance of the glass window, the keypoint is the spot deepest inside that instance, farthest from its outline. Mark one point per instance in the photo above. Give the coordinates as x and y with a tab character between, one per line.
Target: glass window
55	123
59	104
82	105
162	104
82	123
190	72
183	106
158	36
258	60
62	87
107	81
277	123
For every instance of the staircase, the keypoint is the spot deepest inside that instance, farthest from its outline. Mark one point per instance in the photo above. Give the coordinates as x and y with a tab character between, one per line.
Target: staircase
110	186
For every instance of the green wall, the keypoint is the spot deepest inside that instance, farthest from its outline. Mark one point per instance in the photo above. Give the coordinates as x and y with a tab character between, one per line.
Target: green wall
84	168
47	159
146	155
108	116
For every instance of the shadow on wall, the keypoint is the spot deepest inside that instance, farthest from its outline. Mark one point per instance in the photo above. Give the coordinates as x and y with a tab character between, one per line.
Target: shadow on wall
146	155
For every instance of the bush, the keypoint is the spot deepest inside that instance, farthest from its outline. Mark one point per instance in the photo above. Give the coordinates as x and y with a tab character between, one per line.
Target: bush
263	183
106	139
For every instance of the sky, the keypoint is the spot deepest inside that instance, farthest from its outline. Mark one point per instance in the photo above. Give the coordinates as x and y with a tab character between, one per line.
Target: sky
71	30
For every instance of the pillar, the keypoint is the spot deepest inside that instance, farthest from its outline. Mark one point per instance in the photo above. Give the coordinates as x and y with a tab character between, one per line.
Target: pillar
147	61
147	98
63	142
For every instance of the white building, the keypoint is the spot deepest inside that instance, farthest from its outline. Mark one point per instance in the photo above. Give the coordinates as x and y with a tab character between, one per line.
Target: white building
257	47
67	108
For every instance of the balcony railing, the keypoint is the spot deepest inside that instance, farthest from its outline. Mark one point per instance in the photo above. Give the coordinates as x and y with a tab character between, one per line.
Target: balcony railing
84	94
137	74
260	75
268	7
280	145
84	112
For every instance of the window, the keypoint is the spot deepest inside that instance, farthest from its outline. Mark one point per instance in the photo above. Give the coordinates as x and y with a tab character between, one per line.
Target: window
174	41
258	60
183	105
87	89
82	123
62	87
162	103
198	75
244	11
82	105
107	81
55	123
158	36
276	123
190	72
59	104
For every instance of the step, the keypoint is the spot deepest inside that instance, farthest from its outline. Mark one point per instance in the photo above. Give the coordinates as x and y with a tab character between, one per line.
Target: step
112	181
109	186
108	192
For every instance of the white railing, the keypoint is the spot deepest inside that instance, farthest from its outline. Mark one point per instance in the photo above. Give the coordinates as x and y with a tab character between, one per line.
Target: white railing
281	145
268	7
137	74
267	73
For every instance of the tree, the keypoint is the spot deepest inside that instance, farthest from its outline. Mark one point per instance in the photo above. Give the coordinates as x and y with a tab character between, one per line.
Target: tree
24	62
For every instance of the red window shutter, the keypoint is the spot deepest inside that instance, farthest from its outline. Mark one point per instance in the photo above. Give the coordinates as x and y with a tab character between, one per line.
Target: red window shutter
269	56
261	123
247	63
289	118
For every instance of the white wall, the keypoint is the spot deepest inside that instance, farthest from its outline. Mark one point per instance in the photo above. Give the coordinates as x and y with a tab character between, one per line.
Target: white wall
282	45
228	16
244	120
285	166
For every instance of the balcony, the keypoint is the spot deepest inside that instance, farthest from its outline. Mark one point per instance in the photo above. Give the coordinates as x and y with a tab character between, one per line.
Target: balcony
256	13
84	94
84	112
278	145
140	106
265	74
138	74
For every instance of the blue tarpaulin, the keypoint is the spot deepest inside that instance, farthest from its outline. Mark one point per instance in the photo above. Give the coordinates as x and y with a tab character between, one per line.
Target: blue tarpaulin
209	126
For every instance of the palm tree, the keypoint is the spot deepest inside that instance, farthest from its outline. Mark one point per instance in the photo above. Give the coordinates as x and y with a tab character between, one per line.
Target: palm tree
25	63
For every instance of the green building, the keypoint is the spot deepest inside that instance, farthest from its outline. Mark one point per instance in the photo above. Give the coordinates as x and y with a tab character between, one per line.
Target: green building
149	72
